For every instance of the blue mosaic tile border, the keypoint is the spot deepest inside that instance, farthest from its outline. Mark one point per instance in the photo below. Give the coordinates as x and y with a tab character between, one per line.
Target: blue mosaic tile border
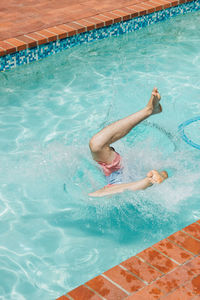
29	55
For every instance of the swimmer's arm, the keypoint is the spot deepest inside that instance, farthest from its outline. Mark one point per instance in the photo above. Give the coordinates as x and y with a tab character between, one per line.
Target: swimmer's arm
119	188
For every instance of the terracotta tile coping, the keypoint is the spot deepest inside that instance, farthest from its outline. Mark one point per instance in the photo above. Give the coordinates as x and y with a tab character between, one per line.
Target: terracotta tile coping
54	33
168	270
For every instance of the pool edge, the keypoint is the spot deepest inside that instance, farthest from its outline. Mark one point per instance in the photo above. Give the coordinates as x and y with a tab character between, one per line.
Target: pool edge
169	269
38	45
54	33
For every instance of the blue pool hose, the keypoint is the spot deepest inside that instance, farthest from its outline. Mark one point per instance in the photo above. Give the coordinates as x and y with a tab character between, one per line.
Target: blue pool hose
183	135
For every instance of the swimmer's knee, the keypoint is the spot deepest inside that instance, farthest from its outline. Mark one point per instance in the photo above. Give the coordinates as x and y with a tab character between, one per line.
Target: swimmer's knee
95	145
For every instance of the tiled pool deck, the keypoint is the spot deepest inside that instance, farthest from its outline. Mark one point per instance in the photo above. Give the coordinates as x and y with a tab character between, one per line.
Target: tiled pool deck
33	23
169	269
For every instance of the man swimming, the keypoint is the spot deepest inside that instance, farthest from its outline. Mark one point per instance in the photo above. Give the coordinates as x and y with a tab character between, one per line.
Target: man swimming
111	161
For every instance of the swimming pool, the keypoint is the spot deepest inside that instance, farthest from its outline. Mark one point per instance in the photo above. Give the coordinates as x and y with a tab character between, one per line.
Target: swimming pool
53	236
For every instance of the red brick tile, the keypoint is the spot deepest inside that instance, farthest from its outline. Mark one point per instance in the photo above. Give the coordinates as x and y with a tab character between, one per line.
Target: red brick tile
89	26
173	251
174	279
193	229
70	31
123	14
157	260
141	10
123	278
50	36
29	41
98	23
157	6
174	3
18	44
7	47
194	265
166	5
63	298
37	37
148	7
147	293
198	221
2	52
106	289
83	293
141	269
180	293
77	27
58	31
161	2
187	242
194	285
28	19
133	13
107	21
114	17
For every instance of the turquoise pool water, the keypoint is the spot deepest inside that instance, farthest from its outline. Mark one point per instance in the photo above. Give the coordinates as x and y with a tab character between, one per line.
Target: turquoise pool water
53	236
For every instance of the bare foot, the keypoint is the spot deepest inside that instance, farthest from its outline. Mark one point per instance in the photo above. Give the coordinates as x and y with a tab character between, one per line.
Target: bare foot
153	104
157	177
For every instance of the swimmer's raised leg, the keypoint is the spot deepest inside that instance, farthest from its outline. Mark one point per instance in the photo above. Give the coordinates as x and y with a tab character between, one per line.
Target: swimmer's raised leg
153	177
100	142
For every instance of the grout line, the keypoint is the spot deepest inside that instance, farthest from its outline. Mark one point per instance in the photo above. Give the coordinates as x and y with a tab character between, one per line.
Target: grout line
158	4
181	247
116	284
121	10
55	34
92	23
84	26
85	19
174	289
113	13
35	32
190	235
111	19
166	256
67	24
190	260
146	262
89	288
27	37
69	296
10	44
122	267
99	20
